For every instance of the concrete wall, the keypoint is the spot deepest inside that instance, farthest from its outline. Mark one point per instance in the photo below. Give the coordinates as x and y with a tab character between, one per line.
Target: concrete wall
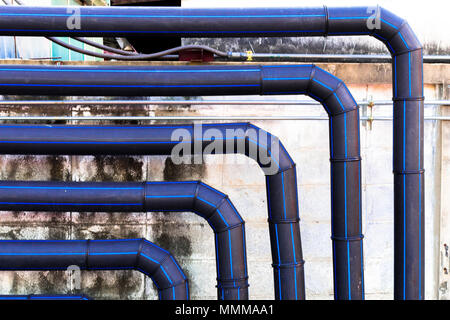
191	239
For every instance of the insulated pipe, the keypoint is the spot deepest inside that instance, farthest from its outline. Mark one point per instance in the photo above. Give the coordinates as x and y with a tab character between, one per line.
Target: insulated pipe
394	32
210	204
272	157
136	254
44	297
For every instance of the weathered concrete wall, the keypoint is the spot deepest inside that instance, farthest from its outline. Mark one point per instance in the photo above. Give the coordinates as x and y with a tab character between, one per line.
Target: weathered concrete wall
189	238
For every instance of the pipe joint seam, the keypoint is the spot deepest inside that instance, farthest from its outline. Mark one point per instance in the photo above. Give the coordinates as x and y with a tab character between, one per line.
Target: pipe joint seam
285	221
339	85
139	251
174	285
240	224
350	159
399	53
291	265
347	239
311	78
231	283
292	166
327	19
88	247
395	99
408	172
355	107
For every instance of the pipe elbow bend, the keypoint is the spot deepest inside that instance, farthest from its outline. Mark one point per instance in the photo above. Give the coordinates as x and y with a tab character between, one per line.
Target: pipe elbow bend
271	154
163	269
216	208
395	32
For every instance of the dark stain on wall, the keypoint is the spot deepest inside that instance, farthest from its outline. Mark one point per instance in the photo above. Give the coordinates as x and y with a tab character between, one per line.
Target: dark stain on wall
122	168
126	283
57	170
180	172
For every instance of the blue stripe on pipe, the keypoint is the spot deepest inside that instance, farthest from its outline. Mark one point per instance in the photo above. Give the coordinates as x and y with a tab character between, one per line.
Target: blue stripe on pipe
291	78
212	189
266	148
96	142
98	127
231	255
284	197
169	182
111	253
129	70
385	40
149	258
161	16
155	246
389	24
166	32
295	271
403	39
268	197
177	196
128	86
289	66
217	256
167	276
322	84
234	209
221	216
348	18
395	76
339	100
69	188
178	267
404	200
279	261
345	204
409	72
245	250
206	201
71	204
42	253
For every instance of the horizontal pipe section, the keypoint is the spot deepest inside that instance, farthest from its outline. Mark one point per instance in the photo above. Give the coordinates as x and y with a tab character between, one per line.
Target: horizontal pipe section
264	102
43	297
393	31
210	204
133	254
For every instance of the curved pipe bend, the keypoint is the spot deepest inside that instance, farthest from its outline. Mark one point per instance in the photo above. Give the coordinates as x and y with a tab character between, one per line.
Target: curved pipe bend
137	254
195	196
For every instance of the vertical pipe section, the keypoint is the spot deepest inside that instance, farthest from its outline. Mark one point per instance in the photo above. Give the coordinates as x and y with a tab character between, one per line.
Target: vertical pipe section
137	254
207	202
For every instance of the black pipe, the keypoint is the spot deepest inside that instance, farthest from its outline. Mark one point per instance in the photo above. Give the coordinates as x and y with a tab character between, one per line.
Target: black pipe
394	32
210	204
272	157
135	254
44	297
